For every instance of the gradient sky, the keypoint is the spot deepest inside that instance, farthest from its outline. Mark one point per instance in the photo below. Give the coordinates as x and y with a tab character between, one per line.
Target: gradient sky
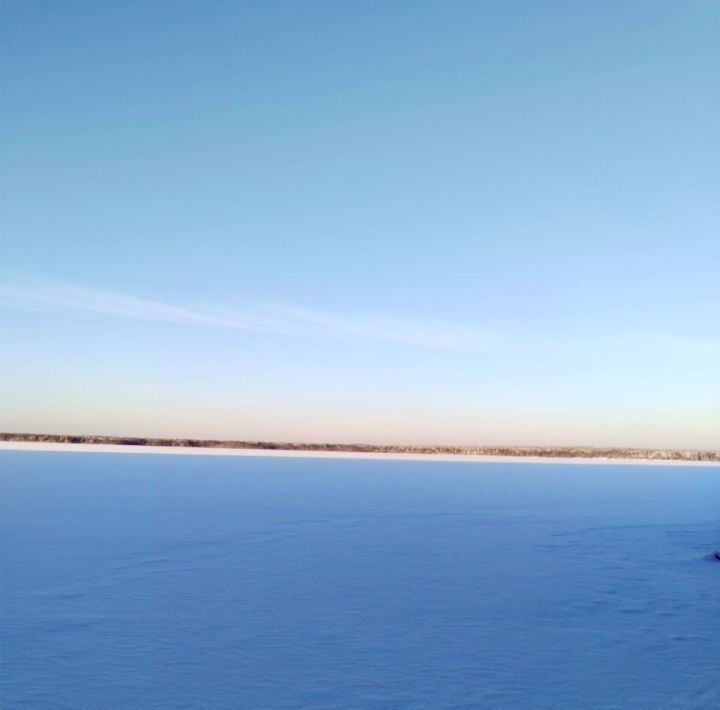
448	222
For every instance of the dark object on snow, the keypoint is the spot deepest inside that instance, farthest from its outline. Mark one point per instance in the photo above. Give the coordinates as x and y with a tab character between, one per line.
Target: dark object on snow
716	554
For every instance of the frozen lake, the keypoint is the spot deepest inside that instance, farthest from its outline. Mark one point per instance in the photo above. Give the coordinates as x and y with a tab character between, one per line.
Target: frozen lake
153	581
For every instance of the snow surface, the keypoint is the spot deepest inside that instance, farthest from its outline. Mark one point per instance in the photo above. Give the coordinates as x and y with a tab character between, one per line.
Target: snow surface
160	582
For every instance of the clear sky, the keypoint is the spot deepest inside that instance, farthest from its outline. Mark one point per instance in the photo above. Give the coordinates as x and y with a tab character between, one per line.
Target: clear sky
429	221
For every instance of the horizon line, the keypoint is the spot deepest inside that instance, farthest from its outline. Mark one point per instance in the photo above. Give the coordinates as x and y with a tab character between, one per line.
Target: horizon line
519	450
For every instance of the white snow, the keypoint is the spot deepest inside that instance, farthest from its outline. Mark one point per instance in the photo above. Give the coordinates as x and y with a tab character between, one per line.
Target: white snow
265	582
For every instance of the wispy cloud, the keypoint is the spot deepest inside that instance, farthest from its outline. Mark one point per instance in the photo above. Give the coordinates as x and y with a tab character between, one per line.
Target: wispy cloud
577	349
261	317
79	298
430	333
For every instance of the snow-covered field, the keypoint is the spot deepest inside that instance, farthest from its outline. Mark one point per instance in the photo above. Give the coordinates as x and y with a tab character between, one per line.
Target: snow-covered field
153	581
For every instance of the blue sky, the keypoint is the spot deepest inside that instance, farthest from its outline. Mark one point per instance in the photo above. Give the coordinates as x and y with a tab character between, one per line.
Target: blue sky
452	222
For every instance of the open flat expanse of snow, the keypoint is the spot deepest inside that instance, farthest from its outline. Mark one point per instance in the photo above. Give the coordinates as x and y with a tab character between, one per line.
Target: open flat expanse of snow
160	582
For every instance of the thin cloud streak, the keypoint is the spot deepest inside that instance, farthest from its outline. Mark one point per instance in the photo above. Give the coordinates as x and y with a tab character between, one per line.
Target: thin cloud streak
260	317
94	301
427	333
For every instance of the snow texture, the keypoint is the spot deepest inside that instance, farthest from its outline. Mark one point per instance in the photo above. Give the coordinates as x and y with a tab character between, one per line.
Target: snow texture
164	582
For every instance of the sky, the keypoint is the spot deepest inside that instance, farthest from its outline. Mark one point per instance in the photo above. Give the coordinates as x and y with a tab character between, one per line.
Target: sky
411	222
